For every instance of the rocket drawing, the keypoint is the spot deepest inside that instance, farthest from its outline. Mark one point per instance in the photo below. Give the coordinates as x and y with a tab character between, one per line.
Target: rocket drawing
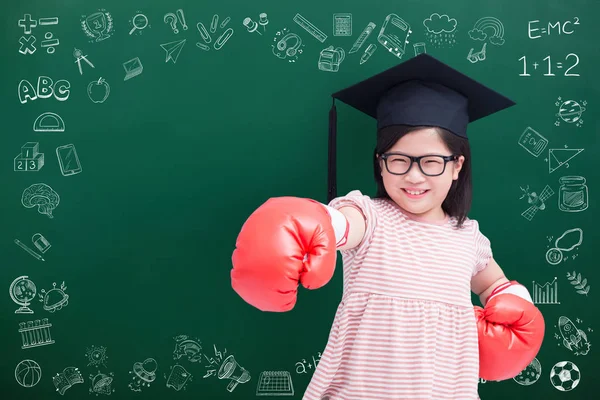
574	339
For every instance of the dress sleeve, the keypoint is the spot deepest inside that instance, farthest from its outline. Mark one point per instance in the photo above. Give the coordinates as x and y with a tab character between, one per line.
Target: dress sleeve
365	205
483	249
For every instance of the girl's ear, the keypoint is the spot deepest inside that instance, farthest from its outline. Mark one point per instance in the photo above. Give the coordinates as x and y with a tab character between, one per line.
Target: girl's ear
457	167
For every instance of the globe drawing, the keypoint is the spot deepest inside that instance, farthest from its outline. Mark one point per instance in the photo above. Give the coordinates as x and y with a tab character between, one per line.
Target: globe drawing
570	111
22	291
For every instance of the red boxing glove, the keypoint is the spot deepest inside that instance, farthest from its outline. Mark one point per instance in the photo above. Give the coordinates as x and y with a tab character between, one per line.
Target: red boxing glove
285	241
511	331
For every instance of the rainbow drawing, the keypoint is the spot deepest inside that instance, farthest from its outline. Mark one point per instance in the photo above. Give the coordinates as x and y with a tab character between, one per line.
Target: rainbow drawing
488	23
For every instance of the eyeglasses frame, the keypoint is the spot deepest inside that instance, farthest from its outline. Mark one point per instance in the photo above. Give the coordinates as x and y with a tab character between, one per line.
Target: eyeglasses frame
414	159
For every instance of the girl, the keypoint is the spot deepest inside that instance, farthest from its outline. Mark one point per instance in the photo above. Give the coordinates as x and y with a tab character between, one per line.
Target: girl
405	327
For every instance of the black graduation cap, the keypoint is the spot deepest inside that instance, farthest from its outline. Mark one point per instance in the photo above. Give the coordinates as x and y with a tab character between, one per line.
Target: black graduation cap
420	91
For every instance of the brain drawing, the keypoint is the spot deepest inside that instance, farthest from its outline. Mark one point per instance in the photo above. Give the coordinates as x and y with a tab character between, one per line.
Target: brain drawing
42	196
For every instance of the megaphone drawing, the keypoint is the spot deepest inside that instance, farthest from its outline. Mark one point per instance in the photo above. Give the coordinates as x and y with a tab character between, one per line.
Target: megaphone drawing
230	369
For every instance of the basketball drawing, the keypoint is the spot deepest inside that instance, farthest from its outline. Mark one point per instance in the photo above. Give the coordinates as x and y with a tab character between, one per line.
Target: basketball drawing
28	373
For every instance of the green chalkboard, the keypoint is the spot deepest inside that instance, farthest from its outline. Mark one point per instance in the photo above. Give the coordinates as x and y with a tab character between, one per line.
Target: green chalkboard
132	154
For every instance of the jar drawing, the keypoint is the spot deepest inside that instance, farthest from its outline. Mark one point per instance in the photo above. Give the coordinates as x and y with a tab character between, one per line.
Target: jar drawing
573	194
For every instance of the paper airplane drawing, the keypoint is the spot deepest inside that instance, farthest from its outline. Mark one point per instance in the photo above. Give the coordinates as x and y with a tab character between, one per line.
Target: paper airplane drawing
173	49
559	157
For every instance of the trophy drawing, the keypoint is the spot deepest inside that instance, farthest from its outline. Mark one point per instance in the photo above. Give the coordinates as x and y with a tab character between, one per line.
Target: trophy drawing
98	25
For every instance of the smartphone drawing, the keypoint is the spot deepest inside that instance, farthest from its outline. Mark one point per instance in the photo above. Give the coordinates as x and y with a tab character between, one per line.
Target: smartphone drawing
68	160
394	35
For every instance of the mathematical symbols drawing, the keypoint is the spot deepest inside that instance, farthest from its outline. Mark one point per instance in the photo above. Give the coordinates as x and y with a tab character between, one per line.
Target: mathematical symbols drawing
66	379
570	111
530	374
29	159
98	26
54	299
78	54
537	202
565	376
101	383
178	377
143	374
488	28
22	291
554	255
580	285
98	90
35	333
28	373
27	41
440	30
96	355
560	157
41	196
172	18
302	365
252	26
39	241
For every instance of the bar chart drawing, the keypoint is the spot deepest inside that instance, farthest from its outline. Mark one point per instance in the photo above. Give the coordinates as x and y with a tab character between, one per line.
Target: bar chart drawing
546	293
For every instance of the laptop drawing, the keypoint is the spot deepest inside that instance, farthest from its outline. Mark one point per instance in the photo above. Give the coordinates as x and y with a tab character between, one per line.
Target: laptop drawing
133	68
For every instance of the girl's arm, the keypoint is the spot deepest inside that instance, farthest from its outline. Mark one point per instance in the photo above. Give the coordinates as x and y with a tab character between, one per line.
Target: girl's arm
485	281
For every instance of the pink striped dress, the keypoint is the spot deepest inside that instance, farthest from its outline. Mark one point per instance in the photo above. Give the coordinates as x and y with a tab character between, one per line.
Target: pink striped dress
405	327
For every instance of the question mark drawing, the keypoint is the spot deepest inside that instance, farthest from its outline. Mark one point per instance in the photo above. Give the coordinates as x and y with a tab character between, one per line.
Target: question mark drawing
171	19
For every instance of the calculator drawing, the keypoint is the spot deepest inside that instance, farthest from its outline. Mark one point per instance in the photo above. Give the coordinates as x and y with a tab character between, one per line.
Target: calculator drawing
342	24
68	160
275	383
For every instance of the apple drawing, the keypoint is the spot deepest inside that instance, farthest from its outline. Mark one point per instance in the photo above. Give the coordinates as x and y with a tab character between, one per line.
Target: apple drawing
98	90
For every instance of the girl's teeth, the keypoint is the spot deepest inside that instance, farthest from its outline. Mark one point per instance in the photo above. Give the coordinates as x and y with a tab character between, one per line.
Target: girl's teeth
415	193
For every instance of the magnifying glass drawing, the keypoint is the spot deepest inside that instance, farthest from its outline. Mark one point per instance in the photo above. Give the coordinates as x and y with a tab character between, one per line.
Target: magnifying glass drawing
140	21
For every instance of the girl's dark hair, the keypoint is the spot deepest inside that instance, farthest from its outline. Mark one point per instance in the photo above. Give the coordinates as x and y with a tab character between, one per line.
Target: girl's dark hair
458	201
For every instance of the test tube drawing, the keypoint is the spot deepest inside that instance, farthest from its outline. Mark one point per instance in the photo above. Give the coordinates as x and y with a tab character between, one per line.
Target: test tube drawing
35	334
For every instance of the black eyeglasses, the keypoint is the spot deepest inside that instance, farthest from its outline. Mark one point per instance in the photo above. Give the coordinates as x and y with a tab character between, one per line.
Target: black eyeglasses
430	165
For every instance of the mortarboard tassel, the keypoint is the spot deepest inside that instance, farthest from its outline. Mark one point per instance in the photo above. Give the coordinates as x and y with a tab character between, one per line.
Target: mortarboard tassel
331	174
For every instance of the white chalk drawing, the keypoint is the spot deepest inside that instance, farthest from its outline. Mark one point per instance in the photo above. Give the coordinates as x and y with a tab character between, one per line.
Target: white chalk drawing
54	299
96	355
35	333
361	39
555	254
222	38
368	53
41	196
22	291
39	241
488	28
78	54
139	22
288	45
310	28
178	377
560	157
565	376
49	122
394	34
98	90
143	374
549	63
572	194
275	383
101	383
64	380
420	48
440	30
532	141
537	202
28	373
172	19
342	24
570	111
530	374
98	26
229	369
46	87
27	41
68	160
29	159
301	366
186	346
580	285
533	31
330	59
477	56
253	26
546	293
132	68
173	49
571	337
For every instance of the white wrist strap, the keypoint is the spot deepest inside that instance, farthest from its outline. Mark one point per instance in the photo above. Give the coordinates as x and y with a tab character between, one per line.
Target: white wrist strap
340	225
512	288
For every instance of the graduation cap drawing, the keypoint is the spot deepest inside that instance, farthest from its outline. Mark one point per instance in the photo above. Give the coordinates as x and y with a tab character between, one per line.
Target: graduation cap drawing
421	91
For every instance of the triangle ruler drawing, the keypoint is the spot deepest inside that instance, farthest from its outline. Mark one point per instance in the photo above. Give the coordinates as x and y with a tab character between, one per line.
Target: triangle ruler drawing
559	157
173	50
